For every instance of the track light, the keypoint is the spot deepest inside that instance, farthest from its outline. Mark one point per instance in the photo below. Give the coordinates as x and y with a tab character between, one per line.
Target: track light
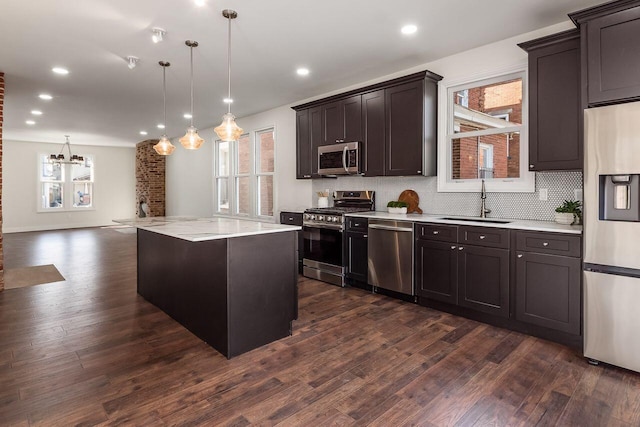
158	34
132	61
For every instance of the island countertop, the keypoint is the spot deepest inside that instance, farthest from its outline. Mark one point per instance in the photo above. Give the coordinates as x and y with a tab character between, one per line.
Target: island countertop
202	229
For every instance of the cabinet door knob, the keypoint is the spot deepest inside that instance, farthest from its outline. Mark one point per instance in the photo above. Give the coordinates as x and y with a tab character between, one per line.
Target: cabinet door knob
453	247
356	224
290	219
519	255
365	236
461	248
436	232
531	166
545	244
482	237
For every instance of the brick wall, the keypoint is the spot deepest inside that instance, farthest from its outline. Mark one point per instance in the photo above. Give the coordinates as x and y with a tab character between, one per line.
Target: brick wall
150	178
1	120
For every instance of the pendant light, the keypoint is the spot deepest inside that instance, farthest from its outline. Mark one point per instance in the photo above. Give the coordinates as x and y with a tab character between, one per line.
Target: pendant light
228	129
164	147
191	140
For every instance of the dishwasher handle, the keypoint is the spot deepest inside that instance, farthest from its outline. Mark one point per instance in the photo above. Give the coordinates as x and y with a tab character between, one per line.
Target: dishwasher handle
386	227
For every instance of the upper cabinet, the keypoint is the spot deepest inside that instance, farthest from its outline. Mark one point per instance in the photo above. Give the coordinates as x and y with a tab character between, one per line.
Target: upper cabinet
611	51
395	121
555	106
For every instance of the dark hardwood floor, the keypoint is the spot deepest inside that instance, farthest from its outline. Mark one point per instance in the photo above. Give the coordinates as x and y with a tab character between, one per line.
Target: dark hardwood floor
90	351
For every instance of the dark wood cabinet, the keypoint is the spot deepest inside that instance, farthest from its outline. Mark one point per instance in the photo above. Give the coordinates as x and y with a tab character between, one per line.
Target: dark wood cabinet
404	134
437	270
395	121
466	266
373	133
548	281
295	218
483	279
555	104
342	120
309	137
611	51
355	250
303	145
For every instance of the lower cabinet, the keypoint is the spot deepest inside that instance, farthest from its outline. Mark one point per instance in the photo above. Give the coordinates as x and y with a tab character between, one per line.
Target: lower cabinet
450	270
437	270
483	279
355	251
548	285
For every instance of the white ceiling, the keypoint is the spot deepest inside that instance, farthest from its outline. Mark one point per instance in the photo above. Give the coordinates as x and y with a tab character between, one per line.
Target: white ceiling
342	42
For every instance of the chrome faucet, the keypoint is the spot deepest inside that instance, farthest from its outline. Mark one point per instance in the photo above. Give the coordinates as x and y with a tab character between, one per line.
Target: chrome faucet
483	196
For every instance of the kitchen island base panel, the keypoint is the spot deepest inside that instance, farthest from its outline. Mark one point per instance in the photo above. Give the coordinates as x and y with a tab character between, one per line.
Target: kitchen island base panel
235	294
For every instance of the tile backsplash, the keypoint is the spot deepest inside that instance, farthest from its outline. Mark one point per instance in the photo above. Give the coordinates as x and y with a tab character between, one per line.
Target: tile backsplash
560	185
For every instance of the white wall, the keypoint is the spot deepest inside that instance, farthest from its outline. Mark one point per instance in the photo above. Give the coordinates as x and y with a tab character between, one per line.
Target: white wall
189	174
114	188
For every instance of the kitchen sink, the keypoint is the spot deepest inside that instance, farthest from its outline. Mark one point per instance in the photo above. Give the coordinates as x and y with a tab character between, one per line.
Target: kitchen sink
486	220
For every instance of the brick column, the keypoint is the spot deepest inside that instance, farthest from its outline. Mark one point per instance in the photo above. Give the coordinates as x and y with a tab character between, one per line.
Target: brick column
1	120
150	178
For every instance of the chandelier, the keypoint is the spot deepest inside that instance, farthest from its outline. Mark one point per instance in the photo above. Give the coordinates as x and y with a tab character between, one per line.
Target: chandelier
59	158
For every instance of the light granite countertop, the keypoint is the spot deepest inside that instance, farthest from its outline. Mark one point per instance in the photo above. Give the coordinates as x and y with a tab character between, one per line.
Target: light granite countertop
201	229
513	224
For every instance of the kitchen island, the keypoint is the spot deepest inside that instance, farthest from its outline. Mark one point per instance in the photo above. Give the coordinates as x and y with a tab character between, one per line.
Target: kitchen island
232	283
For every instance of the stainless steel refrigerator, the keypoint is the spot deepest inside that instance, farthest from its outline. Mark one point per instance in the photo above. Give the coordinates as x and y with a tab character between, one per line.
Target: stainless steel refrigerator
612	235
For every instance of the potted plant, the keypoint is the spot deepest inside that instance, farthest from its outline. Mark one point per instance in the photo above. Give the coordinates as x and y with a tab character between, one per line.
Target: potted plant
397	207
569	212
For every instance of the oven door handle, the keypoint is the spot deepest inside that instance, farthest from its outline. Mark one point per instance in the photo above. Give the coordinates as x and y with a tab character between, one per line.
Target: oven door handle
327	227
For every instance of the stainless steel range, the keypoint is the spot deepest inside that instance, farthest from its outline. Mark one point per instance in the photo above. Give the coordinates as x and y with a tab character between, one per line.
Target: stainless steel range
323	229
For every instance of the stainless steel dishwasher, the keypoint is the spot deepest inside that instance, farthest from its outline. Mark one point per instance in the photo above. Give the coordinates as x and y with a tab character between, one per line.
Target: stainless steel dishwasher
390	259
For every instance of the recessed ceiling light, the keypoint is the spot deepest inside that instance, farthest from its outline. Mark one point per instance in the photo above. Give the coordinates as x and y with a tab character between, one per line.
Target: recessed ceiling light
36	112
60	70
302	71
143	132
160	126
158	34
227	100
409	29
45	96
199	2
30	122
186	115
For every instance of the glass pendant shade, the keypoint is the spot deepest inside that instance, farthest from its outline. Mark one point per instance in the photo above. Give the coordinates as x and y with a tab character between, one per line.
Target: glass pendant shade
164	147
191	140
228	129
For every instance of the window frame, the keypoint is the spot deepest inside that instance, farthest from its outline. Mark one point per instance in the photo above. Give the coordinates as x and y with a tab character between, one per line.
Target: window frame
526	182
67	184
253	175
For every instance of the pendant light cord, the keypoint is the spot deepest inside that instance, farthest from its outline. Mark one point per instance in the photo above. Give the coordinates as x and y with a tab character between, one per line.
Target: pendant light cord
191	57
164	96
229	66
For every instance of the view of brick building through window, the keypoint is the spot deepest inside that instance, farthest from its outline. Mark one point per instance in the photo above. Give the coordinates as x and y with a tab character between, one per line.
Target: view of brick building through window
491	107
252	169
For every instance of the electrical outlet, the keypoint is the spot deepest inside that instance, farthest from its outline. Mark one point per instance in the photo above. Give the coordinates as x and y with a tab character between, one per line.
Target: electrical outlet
543	194
577	194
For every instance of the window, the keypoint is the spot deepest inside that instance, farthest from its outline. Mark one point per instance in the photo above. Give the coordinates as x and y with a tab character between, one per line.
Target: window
244	170
486	136
65	186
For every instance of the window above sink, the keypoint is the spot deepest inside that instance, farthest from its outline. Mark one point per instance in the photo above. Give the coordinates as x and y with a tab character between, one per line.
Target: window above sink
484	134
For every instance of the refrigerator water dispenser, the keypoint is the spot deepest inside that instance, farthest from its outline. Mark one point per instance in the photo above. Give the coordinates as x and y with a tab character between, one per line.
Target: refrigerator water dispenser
620	197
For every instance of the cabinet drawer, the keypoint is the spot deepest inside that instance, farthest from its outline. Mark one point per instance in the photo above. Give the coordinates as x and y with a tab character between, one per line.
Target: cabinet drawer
549	243
291	218
357	224
482	236
437	232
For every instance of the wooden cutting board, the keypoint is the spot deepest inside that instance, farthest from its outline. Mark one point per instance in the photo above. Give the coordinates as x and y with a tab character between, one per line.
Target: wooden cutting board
412	199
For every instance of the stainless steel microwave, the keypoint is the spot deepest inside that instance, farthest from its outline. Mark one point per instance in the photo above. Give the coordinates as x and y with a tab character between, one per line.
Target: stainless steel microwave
339	159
